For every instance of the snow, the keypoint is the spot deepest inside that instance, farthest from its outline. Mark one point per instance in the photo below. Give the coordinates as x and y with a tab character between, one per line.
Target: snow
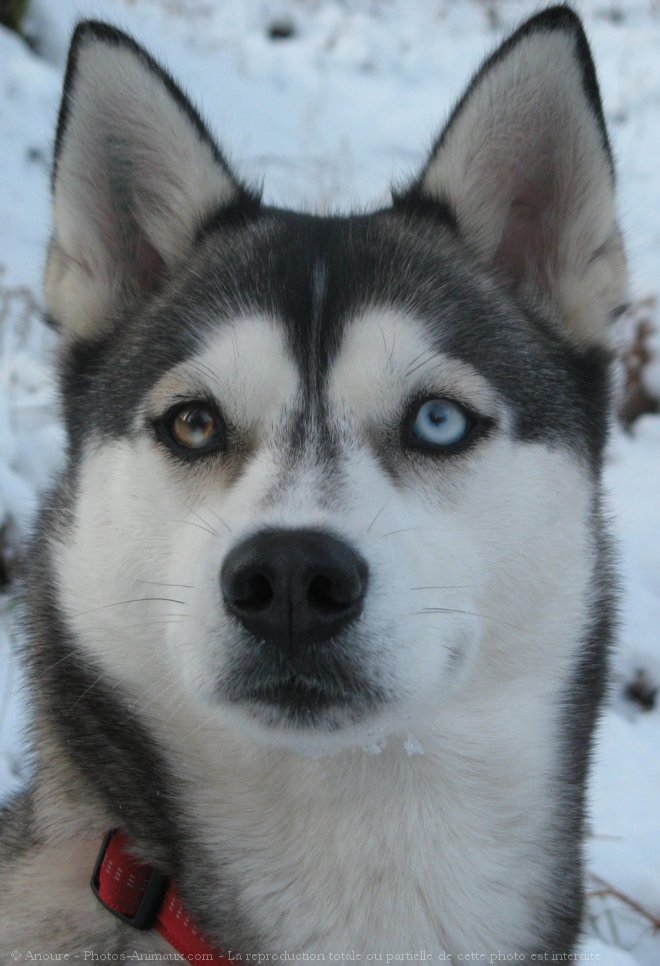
412	746
328	117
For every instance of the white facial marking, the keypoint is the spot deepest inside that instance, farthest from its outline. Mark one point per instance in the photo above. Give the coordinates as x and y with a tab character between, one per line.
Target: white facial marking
386	353
245	366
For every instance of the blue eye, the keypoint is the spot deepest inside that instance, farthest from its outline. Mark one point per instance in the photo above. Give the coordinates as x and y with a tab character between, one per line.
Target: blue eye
441	424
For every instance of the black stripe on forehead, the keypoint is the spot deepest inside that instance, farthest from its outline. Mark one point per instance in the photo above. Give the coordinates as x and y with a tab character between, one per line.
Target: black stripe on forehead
313	275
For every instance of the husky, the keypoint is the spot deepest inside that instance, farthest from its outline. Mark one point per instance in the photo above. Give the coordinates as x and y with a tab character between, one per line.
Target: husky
319	610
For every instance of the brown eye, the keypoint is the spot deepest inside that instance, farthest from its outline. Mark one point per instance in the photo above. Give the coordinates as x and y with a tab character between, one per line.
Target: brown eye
194	426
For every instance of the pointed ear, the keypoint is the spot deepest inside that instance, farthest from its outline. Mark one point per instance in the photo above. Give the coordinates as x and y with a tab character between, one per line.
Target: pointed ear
524	168
136	174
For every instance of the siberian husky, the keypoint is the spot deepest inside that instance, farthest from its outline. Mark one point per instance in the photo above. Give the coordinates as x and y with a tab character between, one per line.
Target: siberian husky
319	610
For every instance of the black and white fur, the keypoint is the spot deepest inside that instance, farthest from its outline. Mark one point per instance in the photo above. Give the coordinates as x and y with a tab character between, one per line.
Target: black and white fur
434	799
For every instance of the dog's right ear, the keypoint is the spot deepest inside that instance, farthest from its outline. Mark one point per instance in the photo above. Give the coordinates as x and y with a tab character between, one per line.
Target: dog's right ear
523	172
136	174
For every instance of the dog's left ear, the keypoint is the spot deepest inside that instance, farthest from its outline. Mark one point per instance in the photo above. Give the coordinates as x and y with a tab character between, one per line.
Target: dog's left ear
524	168
136	175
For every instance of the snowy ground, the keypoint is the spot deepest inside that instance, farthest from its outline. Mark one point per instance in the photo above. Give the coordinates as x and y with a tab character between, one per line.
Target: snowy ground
328	116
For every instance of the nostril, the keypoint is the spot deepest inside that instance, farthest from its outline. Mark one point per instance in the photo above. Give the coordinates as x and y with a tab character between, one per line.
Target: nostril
254	594
320	596
334	595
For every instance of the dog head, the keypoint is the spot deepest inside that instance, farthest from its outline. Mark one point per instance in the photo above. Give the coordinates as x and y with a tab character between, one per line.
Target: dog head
327	472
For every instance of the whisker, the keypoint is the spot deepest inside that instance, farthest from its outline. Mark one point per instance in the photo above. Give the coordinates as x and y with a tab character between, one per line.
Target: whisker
86	691
204	371
219	519
124	603
424	362
191	523
159	583
203	525
193	731
206	522
405	530
163	688
61	660
424	352
161	621
378	514
467	613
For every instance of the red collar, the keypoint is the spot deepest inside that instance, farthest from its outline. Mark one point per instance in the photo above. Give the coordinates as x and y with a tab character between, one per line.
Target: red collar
143	898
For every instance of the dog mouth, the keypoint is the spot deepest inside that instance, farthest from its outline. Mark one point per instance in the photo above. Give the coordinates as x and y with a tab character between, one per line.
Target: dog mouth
321	690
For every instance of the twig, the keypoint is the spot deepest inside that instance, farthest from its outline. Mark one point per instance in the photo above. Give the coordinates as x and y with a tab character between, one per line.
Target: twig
606	889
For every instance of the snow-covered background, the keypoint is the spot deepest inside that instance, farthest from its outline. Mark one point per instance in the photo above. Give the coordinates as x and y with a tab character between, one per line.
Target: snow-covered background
329	101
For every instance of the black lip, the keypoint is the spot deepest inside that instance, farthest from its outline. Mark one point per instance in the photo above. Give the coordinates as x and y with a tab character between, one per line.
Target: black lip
301	707
302	696
292	693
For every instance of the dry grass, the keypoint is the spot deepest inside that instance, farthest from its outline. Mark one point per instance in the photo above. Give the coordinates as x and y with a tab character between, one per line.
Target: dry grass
19	311
638	328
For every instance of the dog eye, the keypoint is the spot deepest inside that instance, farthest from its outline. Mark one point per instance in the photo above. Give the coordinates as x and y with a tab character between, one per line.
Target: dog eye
194	426
441	424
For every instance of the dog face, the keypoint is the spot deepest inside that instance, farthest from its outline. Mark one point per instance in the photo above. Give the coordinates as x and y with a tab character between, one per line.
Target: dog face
328	472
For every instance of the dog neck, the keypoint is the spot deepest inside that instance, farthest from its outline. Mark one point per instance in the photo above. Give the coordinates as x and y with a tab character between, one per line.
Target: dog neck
375	848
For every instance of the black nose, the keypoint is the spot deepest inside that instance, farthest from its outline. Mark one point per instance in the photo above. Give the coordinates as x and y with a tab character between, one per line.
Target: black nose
294	587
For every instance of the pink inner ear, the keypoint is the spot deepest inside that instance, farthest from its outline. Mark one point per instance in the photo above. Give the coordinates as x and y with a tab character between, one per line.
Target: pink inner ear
520	252
137	263
526	245
149	269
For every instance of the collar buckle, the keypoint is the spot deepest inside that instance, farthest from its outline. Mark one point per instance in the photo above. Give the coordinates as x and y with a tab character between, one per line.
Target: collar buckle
152	897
